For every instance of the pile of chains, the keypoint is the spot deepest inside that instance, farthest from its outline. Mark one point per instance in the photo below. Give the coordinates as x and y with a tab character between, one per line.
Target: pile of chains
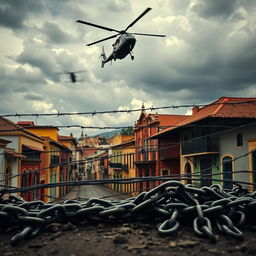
209	209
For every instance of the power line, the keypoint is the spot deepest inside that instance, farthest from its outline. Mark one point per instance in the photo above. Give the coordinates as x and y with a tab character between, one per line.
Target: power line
172	143
155	150
116	127
115	181
79	162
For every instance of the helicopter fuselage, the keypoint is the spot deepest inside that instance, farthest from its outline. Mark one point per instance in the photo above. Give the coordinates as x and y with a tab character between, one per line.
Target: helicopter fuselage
122	47
123	44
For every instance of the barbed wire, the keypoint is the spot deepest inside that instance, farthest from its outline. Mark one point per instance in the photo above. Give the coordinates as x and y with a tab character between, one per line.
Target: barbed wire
128	111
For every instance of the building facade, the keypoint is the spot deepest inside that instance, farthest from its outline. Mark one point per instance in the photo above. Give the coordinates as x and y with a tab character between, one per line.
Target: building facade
148	151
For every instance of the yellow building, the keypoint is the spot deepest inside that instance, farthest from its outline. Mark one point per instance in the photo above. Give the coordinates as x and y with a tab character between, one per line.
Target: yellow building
252	162
122	163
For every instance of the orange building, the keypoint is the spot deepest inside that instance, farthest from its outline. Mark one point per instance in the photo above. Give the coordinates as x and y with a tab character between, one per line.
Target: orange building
55	159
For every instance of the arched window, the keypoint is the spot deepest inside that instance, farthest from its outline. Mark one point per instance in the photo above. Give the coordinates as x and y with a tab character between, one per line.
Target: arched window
254	168
23	182
7	180
36	182
188	173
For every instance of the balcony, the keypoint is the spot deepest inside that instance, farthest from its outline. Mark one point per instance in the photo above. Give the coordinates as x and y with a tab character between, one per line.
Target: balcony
145	155
170	153
120	166
203	145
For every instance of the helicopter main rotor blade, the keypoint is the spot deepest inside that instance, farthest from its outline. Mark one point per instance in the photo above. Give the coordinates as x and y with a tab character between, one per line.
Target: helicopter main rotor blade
104	39
146	11
79	71
143	34
97	26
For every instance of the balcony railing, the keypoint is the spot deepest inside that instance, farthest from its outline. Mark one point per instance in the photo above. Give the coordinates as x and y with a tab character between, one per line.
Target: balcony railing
149	155
120	166
200	146
32	156
169	153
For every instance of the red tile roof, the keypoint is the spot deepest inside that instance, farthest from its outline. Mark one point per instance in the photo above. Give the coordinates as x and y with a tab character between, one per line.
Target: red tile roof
26	123
222	108
7	125
166	120
124	143
63	137
163	119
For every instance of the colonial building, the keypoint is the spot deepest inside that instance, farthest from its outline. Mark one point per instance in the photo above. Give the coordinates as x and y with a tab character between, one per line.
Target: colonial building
148	150
9	161
72	159
96	165
217	142
27	170
94	141
121	165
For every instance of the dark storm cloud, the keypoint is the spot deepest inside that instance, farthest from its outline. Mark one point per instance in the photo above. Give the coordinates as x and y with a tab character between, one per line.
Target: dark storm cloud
116	6
35	59
179	7
210	9
56	35
14	13
200	60
19	80
52	64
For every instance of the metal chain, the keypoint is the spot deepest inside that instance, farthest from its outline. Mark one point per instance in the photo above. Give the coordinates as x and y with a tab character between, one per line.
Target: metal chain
171	202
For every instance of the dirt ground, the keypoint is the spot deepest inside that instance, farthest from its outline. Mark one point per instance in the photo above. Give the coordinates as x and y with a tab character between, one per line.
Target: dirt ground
119	238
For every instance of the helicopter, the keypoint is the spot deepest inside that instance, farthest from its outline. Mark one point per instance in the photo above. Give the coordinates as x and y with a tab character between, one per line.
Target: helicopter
124	44
72	75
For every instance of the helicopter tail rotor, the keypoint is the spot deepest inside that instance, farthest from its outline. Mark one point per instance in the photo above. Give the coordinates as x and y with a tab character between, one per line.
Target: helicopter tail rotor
103	57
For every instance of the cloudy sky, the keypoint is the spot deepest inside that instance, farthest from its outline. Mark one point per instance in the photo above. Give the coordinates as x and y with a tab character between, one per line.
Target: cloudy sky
209	52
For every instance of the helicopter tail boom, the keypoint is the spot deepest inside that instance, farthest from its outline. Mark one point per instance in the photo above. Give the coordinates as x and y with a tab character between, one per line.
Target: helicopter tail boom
103	57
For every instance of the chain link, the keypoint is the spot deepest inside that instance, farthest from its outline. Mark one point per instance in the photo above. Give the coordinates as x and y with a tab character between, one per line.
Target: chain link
171	202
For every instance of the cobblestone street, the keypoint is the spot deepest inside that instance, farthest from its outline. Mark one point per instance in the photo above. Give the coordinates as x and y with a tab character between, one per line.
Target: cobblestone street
112	237
94	191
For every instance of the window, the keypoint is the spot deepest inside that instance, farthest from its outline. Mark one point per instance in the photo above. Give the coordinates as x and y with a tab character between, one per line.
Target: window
165	172
206	171
23	182
239	139
7	181
227	168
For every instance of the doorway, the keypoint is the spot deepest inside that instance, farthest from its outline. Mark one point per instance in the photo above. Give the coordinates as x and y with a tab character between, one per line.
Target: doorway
188	173
227	168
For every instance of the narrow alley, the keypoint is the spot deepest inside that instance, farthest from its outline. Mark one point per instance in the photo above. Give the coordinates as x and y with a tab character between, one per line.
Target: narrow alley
94	191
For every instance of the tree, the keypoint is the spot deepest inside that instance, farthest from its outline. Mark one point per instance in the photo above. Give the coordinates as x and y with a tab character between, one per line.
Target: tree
127	131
